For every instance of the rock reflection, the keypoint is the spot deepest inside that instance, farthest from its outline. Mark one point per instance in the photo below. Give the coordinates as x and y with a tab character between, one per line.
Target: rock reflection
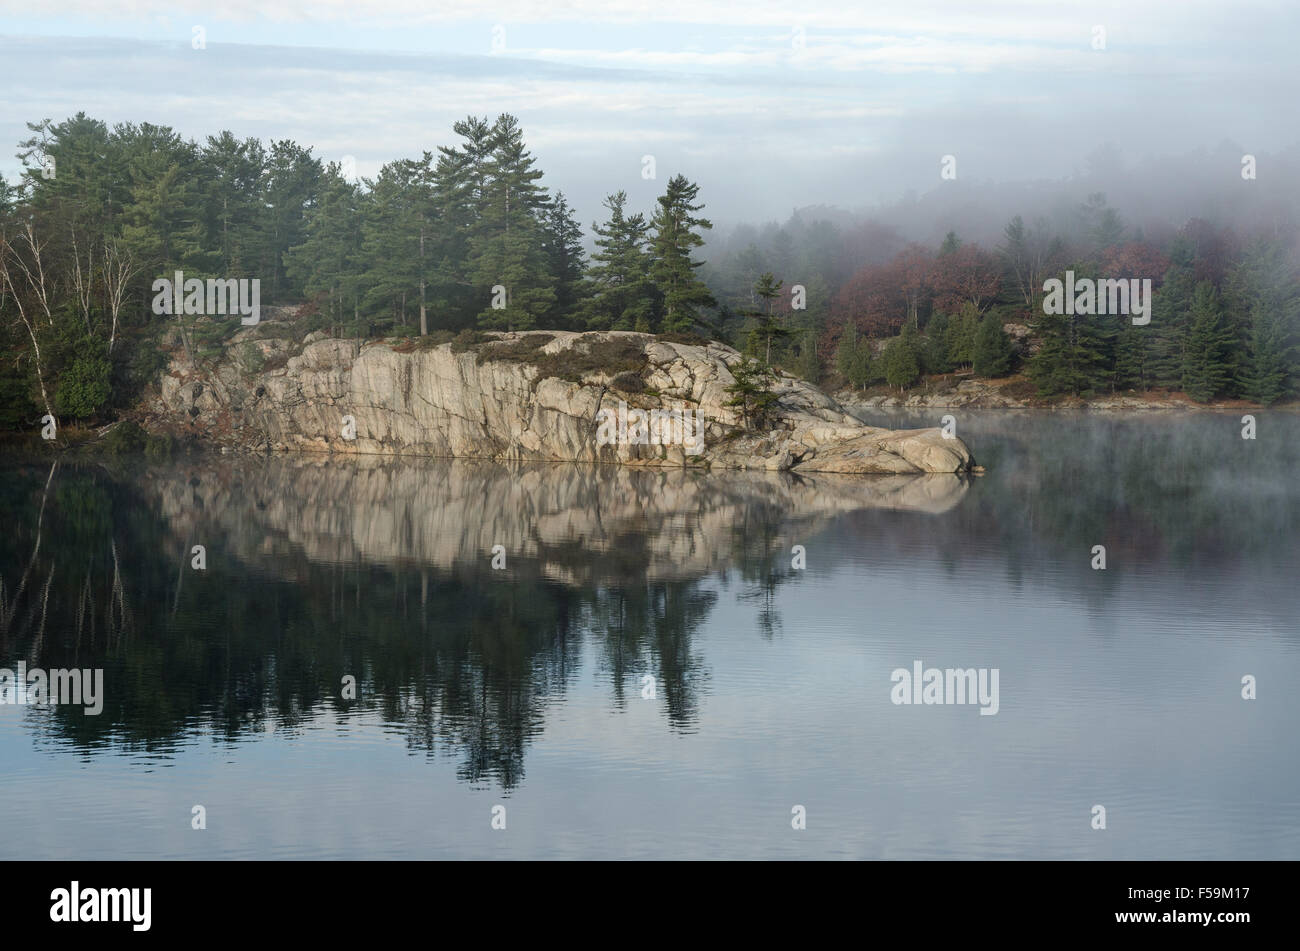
381	569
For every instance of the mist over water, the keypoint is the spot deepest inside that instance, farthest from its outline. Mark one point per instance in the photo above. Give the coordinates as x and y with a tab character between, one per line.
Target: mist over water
525	686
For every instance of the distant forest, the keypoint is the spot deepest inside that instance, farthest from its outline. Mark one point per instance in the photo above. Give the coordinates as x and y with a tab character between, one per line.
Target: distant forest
100	212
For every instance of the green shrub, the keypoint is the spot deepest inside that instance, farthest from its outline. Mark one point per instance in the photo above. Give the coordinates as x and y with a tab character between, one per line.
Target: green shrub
84	386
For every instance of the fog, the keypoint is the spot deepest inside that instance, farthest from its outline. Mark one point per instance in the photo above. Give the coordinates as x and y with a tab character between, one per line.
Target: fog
770	108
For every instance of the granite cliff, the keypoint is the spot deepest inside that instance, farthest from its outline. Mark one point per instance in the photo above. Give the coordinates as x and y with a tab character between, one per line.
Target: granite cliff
530	396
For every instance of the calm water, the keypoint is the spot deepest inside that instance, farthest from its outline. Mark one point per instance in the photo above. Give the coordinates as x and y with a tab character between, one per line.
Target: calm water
524	686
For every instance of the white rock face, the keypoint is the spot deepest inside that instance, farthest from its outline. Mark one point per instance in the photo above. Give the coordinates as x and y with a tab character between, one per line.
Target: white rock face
472	404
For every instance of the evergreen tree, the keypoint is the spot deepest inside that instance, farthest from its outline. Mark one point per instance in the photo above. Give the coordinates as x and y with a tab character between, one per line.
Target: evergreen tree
233	171
565	260
1270	350
1207	356
846	351
329	261
1263	286
395	226
1103	226
458	183
622	295
1068	361
161	223
959	335
1076	351
1133	362
673	271
290	185
751	393
853	357
506	250
1170	316
767	326
902	368
935	350
992	350
806	364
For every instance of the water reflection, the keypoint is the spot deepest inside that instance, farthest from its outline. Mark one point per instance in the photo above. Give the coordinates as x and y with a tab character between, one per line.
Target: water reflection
315	570
770	684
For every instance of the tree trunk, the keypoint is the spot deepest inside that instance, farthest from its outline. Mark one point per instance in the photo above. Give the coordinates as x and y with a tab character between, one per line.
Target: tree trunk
424	321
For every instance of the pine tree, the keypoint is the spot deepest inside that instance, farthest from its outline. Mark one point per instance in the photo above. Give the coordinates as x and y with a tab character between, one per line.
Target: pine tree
233	172
1207	356
934	350
329	260
1068	361
902	368
806	364
1102	224
853	357
396	224
622	295
1263	287
959	336
1133	369
290	183
673	270
457	184
992	350
1076	351
161	222
751	393
846	351
1269	347
565	260
507	249
767	326
1170	317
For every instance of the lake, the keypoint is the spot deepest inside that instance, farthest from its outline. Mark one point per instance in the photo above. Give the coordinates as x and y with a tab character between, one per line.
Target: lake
383	658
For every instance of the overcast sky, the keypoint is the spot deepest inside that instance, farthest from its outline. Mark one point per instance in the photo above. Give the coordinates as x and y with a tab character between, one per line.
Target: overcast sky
768	105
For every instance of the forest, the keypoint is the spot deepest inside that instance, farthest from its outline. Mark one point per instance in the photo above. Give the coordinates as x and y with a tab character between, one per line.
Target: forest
885	311
467	237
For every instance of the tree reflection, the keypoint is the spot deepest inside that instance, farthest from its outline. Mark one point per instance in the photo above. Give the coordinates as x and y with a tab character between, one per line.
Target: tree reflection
315	572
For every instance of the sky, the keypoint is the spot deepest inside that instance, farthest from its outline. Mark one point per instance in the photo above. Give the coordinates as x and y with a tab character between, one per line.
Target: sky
770	106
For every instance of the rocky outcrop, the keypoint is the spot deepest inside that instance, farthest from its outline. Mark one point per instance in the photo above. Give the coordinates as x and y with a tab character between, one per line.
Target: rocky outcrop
528	397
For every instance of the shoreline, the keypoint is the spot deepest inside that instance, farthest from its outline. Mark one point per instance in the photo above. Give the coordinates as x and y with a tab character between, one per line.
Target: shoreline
1003	395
